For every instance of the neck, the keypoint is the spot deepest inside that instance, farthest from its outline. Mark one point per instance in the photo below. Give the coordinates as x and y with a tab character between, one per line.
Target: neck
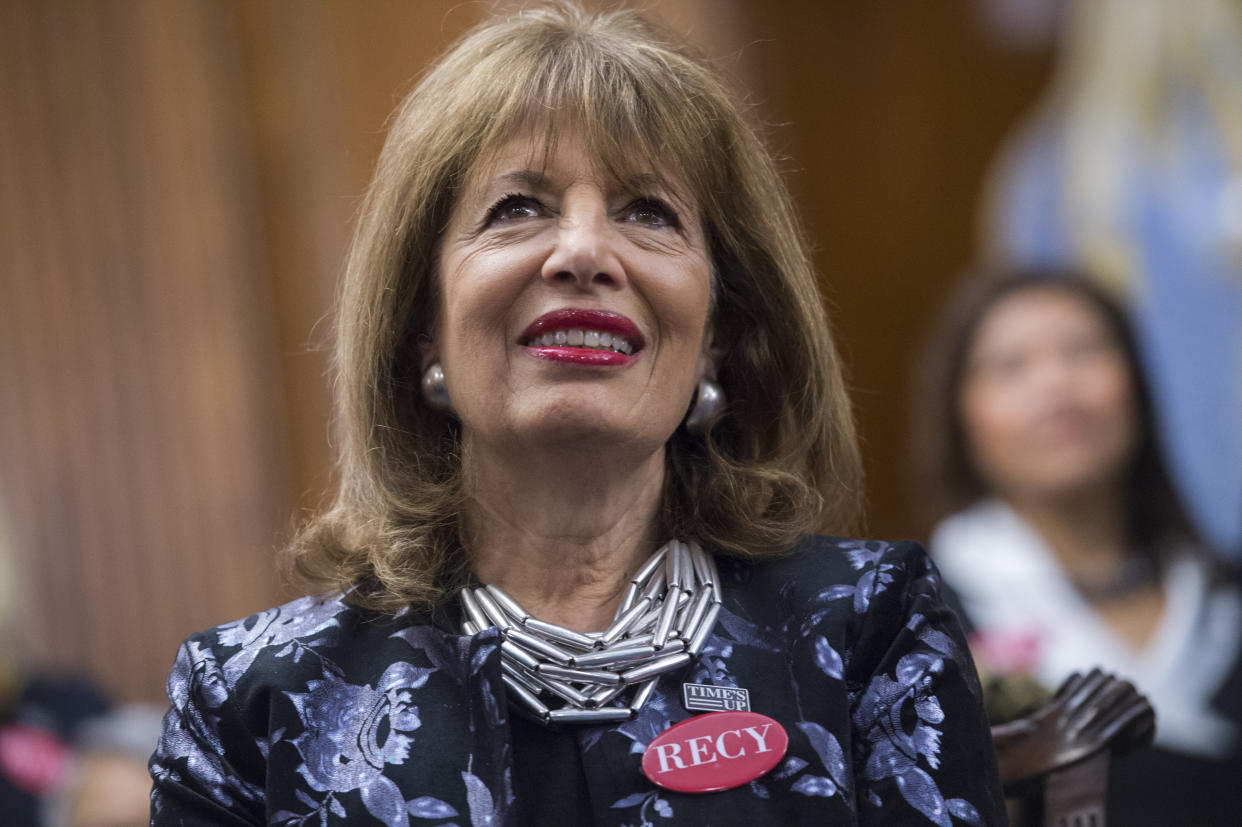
1086	530
562	532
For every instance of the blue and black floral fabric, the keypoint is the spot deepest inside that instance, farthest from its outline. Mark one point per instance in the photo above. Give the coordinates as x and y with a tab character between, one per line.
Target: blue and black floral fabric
319	713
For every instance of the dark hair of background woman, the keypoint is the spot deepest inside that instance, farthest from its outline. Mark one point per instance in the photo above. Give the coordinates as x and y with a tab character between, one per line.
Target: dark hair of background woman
945	476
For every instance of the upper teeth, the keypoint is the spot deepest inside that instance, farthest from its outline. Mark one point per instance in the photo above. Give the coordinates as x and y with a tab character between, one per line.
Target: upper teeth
583	338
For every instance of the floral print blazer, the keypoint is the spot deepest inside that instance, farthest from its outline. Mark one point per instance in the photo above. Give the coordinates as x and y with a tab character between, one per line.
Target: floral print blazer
319	713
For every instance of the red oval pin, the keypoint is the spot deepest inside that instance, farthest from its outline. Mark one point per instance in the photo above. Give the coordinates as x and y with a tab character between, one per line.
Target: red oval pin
716	751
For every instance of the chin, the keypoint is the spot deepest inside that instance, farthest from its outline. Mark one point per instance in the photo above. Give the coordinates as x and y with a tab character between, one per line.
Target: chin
1071	477
586	424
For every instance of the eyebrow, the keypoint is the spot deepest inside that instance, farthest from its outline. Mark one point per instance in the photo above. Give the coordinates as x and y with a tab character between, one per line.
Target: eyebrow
640	182
523	177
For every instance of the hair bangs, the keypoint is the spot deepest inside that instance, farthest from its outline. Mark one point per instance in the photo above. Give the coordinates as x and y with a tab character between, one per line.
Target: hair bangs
627	105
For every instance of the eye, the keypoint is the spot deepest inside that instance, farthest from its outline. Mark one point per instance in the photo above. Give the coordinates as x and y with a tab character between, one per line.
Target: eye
1085	348
513	207
651	212
1006	367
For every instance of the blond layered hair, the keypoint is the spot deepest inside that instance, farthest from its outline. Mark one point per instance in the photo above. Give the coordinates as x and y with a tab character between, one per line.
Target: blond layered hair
783	460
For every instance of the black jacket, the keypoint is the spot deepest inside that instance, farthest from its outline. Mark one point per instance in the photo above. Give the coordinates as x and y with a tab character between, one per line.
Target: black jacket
317	712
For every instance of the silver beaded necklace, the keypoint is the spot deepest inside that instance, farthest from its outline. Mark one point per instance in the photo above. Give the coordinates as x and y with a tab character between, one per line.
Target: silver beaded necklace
663	622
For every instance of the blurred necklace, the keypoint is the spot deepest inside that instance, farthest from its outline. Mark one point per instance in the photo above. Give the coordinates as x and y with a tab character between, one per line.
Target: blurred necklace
663	622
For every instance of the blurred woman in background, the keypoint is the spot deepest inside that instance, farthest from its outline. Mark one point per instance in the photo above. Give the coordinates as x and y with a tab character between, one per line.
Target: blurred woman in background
1064	538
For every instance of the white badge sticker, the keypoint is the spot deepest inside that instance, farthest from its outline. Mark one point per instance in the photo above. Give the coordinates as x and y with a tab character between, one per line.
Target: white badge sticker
701	697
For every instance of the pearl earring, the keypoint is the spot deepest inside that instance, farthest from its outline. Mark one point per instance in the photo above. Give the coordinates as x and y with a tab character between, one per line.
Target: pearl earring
708	404
434	389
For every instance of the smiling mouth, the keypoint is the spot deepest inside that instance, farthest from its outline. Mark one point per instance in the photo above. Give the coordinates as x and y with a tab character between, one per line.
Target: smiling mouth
583	336
587	339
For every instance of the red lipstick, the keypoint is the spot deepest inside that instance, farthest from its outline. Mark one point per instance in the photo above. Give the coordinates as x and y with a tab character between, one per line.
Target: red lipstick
592	323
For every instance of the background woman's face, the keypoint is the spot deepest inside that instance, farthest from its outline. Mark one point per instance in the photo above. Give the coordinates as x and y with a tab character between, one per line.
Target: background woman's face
1047	400
550	272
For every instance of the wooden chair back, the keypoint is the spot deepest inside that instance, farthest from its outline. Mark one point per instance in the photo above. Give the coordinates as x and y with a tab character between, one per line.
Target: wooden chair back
1054	763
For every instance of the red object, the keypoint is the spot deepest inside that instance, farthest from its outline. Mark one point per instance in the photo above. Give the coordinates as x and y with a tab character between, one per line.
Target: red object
32	759
581	355
716	751
1007	651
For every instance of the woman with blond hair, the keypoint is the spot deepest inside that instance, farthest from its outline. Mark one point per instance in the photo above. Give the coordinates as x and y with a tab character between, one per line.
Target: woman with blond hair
592	420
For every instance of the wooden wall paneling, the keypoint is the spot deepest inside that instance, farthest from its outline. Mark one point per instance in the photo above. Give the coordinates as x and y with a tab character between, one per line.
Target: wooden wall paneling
294	89
227	406
383	47
889	112
35	319
144	460
14	224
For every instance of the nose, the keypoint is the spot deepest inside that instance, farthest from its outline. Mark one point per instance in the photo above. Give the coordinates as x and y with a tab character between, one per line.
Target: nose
585	254
1054	374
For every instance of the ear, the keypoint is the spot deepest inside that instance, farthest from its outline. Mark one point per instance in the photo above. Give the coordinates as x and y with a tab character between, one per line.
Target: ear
709	359
428	351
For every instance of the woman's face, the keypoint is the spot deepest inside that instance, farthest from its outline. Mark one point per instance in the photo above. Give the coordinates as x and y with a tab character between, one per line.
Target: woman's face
573	305
1047	402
